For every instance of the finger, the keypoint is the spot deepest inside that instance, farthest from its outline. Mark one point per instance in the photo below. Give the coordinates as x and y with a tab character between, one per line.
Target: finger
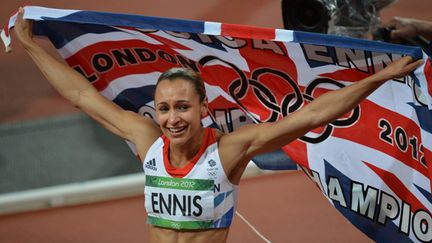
411	67
408	58
396	34
389	25
392	23
414	65
408	68
20	12
8	49
20	15
405	60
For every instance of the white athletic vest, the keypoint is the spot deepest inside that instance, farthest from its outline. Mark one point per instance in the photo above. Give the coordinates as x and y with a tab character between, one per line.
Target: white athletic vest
198	196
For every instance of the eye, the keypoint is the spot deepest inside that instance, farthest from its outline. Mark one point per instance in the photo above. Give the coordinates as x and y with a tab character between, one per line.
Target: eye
182	108
163	108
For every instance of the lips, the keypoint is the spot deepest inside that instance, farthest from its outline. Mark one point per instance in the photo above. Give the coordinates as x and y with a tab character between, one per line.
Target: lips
176	130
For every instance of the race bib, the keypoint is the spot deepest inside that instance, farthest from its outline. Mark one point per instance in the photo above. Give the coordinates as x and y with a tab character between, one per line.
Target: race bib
179	203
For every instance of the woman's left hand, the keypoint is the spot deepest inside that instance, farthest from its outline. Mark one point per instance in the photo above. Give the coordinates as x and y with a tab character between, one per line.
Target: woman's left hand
399	68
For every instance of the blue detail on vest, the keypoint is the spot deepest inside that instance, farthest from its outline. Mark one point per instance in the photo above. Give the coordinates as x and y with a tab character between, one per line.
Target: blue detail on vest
380	233
225	220
220	198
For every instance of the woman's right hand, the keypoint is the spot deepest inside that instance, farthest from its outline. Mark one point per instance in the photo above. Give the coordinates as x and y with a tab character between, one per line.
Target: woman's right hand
23	29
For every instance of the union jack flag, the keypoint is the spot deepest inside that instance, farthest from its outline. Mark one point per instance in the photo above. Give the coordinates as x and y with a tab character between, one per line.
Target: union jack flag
373	164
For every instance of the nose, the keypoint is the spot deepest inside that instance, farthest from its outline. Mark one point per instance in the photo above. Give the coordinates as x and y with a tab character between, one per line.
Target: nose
173	117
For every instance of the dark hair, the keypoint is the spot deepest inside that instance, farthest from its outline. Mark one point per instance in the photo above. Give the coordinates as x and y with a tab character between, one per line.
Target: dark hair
185	74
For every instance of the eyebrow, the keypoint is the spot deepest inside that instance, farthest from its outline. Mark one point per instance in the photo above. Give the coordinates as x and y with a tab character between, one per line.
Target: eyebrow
177	101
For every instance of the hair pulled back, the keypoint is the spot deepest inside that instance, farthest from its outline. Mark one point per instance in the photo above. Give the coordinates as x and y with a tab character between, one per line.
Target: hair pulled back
186	74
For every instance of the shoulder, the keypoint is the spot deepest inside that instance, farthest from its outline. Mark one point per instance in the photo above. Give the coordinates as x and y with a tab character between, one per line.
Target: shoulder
144	132
233	148
218	134
141	125
241	134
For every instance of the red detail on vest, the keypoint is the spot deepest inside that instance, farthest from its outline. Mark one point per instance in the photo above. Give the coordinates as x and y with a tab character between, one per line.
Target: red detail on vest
209	139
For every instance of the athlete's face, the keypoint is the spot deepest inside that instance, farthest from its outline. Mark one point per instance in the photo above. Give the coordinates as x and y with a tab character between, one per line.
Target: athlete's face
179	110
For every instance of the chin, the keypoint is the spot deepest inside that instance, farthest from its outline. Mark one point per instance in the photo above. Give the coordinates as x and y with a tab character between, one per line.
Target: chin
180	141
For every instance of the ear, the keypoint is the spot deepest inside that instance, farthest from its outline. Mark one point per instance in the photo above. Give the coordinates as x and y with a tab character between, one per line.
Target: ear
204	107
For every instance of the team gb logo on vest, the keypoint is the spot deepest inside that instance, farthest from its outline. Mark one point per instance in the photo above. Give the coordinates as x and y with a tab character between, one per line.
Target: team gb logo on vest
212	163
212	170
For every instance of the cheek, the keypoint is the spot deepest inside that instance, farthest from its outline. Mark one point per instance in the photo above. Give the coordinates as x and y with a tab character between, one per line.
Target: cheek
196	117
159	118
190	116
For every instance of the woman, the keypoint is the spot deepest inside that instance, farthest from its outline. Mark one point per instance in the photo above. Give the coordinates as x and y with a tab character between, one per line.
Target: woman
189	167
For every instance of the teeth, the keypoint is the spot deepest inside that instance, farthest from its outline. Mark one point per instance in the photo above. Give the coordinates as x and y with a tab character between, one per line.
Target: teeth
176	130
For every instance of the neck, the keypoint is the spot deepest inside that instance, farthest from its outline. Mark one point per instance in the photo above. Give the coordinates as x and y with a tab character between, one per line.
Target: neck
180	155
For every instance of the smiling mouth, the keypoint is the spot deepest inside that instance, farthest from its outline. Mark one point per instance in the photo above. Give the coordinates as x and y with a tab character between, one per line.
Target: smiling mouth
176	130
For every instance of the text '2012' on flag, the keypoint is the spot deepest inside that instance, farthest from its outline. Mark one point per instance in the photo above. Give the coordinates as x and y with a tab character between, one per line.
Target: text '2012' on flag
373	164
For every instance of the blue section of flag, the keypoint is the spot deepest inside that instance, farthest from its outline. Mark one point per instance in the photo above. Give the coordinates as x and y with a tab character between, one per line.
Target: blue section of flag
424	115
380	233
276	160
416	80
136	21
55	31
425	193
357	44
54	27
134	98
214	43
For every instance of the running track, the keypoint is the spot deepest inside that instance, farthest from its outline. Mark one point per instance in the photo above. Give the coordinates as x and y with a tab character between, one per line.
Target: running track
284	207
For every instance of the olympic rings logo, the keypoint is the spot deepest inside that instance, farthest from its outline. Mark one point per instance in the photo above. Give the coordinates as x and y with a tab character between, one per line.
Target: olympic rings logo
292	101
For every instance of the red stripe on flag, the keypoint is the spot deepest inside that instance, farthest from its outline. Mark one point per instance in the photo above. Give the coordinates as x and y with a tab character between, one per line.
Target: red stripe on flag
165	58
379	122
428	156
349	75
297	151
398	188
428	75
369	122
168	42
249	32
6	28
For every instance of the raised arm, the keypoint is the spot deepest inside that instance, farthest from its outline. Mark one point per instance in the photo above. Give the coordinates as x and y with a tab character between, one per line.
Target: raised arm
75	88
240	146
403	28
